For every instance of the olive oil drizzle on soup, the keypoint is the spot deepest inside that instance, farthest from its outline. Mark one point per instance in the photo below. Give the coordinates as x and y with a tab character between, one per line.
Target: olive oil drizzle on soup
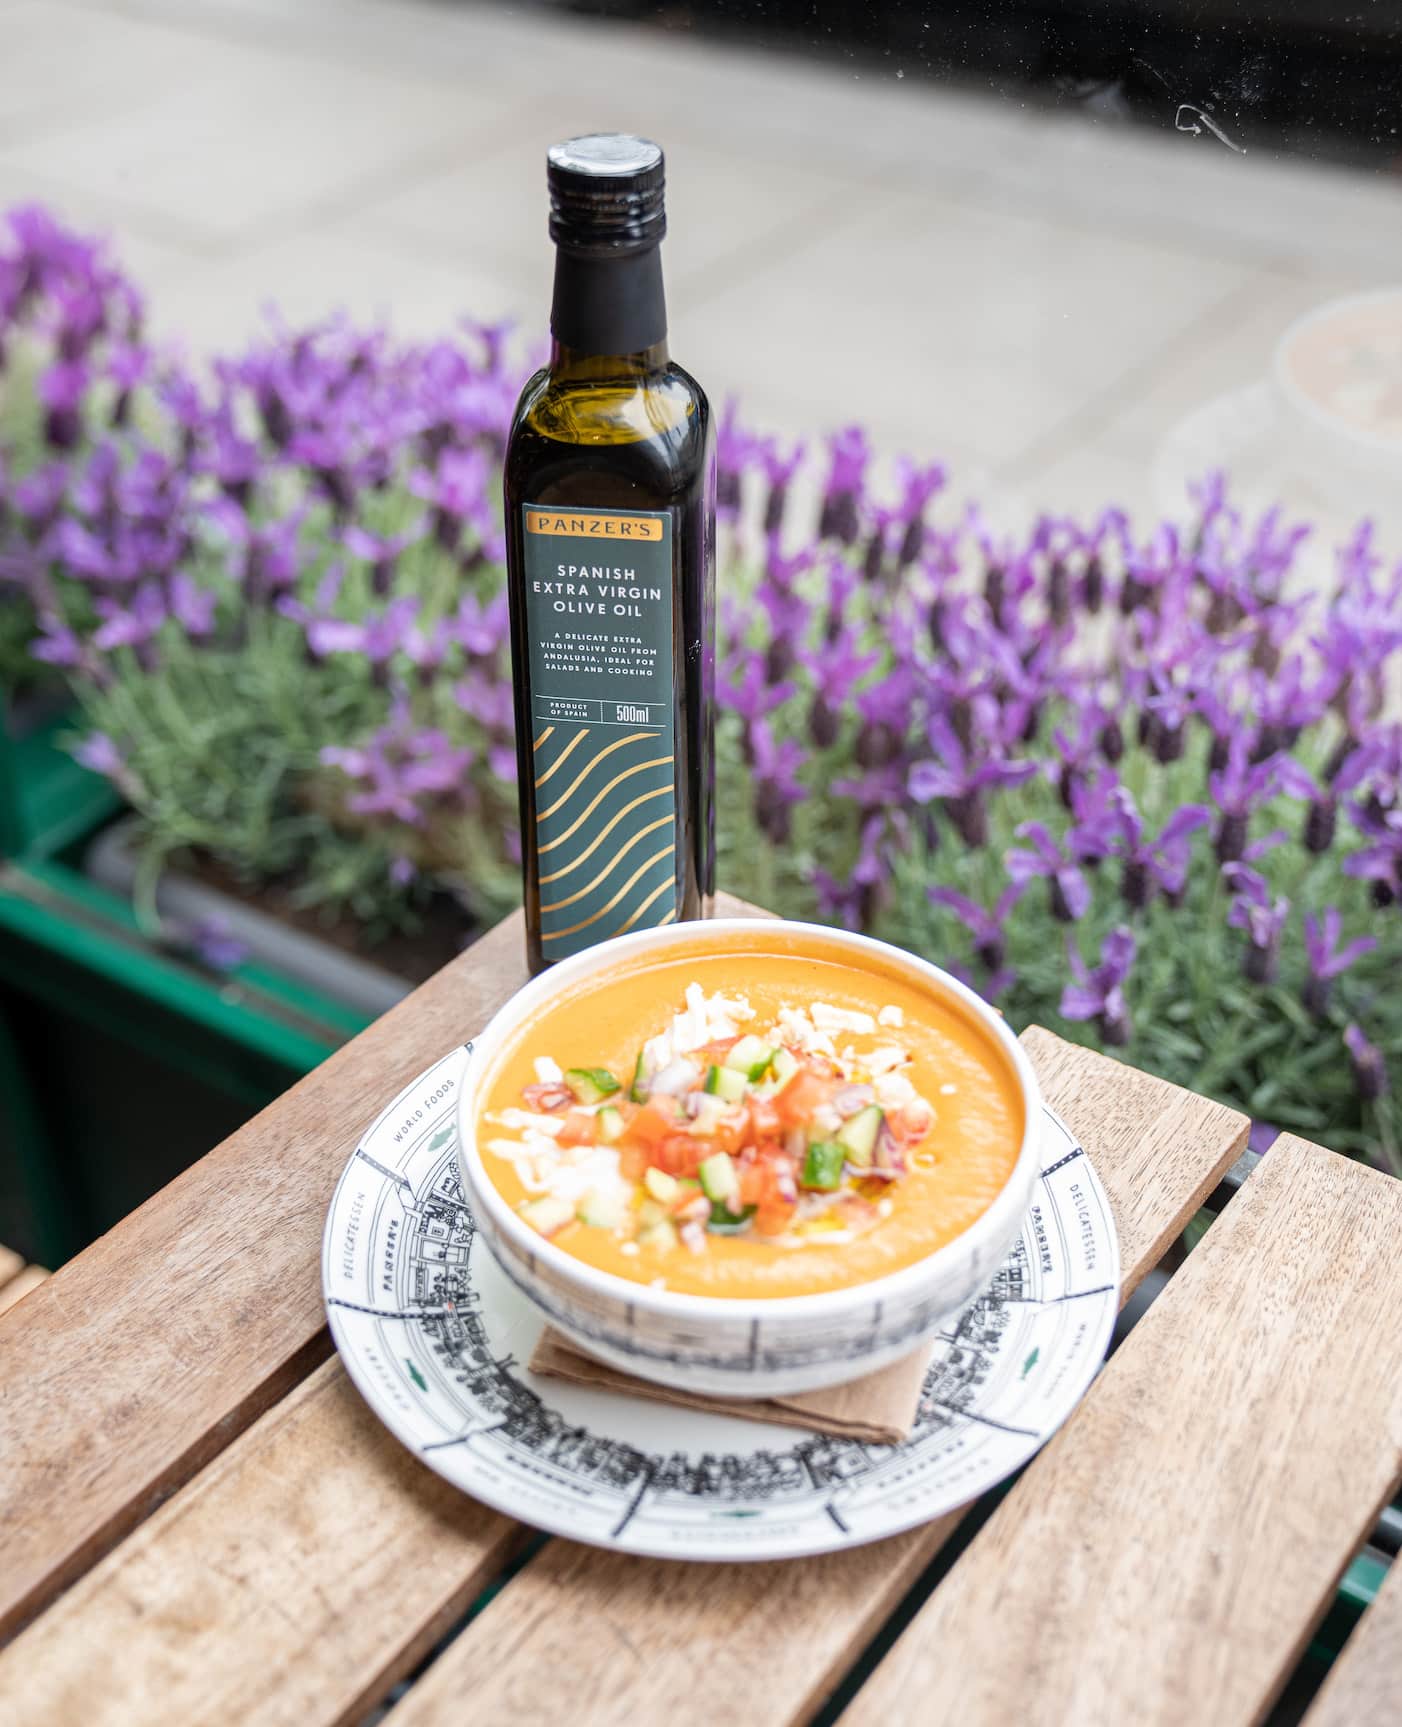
826	1126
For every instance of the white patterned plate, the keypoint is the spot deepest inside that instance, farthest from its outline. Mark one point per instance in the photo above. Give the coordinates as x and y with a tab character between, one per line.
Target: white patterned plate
435	1337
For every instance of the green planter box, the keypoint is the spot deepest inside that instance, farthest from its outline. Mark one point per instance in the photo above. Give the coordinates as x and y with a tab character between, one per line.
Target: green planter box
120	1063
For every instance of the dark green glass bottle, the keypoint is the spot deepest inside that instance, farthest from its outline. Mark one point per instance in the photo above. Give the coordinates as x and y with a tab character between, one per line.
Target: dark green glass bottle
610	532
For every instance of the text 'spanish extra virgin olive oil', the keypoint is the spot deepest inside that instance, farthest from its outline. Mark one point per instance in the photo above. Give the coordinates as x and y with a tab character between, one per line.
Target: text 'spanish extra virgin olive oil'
610	531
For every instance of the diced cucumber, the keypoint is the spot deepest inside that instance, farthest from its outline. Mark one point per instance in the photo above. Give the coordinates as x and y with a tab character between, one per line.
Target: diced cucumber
661	1186
548	1215
590	1084
609	1124
635	1090
662	1234
723	1221
781	1070
822	1167
604	1207
857	1135
719	1177
750	1056
726	1083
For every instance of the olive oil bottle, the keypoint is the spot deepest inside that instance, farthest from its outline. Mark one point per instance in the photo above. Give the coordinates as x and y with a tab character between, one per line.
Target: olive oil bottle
610	531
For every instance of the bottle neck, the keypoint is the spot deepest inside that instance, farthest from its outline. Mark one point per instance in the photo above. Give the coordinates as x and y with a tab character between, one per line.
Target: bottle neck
609	316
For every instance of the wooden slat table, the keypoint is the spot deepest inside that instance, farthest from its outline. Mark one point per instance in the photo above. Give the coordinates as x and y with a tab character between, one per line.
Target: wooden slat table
201	1522
17	1278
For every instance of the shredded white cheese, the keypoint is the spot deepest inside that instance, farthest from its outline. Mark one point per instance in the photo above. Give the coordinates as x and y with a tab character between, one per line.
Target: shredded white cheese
893	1090
828	1018
892	1016
528	1121
798	1030
548	1072
886	1060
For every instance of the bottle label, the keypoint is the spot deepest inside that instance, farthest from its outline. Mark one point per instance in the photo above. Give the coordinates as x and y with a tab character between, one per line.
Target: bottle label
598	592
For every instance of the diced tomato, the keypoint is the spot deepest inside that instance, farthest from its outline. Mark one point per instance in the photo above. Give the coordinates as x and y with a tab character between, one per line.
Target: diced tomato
801	1096
766	1120
653	1122
579	1129
678	1154
773	1218
632	1162
767	1183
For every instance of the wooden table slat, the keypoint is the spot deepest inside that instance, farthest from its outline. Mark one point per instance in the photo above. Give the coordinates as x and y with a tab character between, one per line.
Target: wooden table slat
303	1571
140	1359
1364	1686
627	1640
11	1264
1168	1556
20	1285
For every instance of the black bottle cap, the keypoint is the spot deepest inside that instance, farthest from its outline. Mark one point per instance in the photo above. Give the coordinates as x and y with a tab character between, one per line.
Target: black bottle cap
606	193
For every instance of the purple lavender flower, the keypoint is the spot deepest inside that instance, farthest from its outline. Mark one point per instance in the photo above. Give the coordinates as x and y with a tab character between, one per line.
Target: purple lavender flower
1369	1068
380	551
191	606
842	492
961	779
62	390
215	945
127	367
1379	862
457	490
1098	992
100	754
1161	863
1068	892
779	468
988	928
836	668
855	901
777	786
735	449
133	625
399	767
919	483
1242	785
378	636
38	498
786	609
1263	917
1326	959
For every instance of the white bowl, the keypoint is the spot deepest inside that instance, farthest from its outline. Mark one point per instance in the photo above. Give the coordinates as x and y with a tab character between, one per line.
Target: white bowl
718	1345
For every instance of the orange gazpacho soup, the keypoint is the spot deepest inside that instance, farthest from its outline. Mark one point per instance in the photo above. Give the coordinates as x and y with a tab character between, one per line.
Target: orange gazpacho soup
765	1121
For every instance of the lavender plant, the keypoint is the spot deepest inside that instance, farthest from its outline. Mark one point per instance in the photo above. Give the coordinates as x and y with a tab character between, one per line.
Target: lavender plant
1142	788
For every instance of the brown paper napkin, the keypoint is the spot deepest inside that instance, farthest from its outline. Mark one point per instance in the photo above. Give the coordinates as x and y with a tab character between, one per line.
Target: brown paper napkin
879	1409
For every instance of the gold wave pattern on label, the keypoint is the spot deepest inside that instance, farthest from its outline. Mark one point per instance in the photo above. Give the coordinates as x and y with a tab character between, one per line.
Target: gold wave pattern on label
610	831
627	888
598	798
604	832
647	905
610	866
563	756
586	770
